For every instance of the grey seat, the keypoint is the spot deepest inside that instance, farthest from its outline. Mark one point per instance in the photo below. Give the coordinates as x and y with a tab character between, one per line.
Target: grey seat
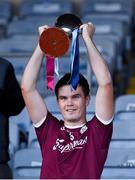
13	137
14	140
42	8
27	163
124	129
52	104
120	10
125	116
107	49
23	45
22	120
109	29
112	30
125	103
105	26
123	133
5	9
114	7
122	18
5	16
32	138
120	164
29	26
91	105
65	63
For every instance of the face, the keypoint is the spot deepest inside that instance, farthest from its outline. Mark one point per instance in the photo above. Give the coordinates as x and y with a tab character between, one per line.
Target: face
72	104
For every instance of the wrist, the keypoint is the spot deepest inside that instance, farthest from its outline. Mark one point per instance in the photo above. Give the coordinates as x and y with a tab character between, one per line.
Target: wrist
87	40
39	49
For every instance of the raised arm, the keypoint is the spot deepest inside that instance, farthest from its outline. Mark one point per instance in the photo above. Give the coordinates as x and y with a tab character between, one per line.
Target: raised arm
33	100
104	97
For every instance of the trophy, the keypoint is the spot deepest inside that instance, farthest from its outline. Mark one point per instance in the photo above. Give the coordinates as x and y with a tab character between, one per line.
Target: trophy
55	41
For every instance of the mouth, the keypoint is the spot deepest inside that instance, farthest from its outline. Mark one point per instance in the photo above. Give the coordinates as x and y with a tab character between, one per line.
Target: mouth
70	110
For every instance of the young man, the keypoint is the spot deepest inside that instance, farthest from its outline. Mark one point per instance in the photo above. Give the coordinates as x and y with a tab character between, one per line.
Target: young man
11	104
73	148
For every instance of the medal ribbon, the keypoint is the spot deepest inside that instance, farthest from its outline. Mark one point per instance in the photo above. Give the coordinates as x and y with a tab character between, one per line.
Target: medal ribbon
75	59
50	72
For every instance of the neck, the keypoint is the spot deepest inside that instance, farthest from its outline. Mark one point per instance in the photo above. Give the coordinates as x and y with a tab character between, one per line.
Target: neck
74	127
74	124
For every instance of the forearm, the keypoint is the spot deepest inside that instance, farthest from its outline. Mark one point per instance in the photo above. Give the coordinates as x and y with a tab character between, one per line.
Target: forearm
32	69
104	96
98	64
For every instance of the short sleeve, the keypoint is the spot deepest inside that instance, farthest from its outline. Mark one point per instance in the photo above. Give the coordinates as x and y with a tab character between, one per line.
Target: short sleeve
101	133
49	127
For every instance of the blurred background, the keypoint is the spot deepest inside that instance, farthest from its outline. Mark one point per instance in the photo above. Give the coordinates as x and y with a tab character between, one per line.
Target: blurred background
114	38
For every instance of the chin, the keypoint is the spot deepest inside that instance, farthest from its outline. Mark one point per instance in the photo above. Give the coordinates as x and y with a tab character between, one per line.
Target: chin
71	118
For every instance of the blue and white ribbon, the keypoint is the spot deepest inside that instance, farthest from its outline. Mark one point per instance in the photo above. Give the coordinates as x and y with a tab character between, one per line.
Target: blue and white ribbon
56	70
75	59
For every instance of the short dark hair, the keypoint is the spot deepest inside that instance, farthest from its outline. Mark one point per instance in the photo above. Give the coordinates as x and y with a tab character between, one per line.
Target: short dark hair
66	80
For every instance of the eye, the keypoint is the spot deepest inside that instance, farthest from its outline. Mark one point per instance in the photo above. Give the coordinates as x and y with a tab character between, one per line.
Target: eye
76	96
62	98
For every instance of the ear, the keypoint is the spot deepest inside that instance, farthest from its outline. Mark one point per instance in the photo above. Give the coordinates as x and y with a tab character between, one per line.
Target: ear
87	100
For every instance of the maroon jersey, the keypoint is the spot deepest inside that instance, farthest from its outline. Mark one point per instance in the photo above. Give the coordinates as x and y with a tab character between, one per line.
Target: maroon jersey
73	153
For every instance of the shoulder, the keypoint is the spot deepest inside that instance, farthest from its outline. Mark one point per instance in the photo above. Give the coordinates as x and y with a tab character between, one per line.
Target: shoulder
100	132
4	62
49	120
96	120
5	65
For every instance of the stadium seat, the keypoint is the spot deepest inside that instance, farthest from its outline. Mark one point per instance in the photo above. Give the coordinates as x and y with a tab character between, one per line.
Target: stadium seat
123	133
27	163
22	120
118	10
14	140
107	49
32	138
42	8
29	26
124	129
5	16
120	164
111	30
51	103
23	45
125	103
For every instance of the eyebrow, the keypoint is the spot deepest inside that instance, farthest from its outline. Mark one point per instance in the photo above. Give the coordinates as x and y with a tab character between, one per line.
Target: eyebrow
77	94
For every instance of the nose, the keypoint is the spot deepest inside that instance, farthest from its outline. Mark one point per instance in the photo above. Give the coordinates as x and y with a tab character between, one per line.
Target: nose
69	102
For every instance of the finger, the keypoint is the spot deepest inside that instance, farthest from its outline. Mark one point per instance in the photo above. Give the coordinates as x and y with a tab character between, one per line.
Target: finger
90	23
43	27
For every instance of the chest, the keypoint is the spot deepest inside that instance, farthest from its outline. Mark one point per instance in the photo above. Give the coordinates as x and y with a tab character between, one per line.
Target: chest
65	142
